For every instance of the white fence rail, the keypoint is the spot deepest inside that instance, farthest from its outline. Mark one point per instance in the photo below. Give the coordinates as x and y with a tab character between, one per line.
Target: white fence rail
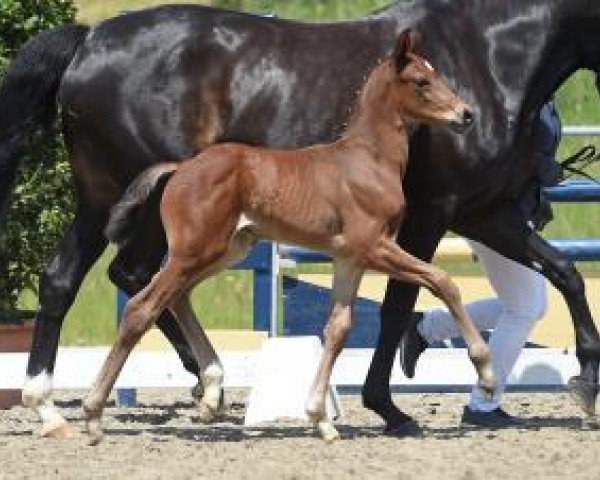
76	368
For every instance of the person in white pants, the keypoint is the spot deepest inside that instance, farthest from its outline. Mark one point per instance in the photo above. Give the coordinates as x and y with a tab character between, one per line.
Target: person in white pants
520	302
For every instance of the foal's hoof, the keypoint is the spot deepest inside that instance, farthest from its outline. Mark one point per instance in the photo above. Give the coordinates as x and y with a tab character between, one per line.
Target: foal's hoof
323	425
487	380
59	430
584	393
208	411
327	431
94	431
407	428
93	417
488	389
206	414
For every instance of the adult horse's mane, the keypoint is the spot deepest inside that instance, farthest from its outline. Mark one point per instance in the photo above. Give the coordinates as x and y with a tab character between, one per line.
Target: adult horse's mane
180	78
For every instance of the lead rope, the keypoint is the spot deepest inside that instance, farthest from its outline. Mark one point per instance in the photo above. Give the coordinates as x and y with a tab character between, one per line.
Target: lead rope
580	160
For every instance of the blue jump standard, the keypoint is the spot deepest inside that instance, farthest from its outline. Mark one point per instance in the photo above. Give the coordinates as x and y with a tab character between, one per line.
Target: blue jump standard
126	397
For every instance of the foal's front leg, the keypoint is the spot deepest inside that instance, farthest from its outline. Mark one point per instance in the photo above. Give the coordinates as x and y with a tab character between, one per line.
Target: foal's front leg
346	279
386	256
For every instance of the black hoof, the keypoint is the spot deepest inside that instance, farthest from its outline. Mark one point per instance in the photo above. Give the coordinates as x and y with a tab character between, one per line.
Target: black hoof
408	428
584	393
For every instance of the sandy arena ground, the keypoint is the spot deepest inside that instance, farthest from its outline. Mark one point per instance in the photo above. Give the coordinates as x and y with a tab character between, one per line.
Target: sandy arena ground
161	440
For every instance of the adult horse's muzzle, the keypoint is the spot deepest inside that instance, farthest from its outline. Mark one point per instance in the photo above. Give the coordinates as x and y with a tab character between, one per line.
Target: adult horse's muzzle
463	121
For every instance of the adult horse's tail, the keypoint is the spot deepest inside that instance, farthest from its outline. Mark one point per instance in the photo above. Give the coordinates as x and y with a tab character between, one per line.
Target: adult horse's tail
28	96
124	215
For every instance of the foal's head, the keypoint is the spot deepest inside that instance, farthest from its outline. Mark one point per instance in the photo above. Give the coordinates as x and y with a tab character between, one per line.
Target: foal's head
412	87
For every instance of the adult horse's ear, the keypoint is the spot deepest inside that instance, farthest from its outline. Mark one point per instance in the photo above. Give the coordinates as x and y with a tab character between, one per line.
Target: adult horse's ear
404	45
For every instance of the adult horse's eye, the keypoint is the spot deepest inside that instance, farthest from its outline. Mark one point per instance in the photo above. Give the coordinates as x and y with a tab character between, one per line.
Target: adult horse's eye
422	83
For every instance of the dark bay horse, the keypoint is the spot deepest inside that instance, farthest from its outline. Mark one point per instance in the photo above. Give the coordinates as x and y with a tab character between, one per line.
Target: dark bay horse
342	198
167	82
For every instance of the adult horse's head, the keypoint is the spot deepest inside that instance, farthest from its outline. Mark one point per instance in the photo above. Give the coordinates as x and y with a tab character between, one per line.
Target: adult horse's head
420	93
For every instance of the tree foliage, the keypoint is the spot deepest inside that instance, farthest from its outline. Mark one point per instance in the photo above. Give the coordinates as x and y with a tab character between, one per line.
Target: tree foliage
42	202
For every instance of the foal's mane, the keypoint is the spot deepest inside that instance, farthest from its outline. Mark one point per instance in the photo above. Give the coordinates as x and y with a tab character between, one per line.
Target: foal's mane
375	84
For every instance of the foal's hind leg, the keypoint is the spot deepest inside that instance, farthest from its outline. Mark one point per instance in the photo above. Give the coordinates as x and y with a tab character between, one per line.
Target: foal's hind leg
132	269
143	309
209	396
346	279
132	278
165	290
210	401
389	258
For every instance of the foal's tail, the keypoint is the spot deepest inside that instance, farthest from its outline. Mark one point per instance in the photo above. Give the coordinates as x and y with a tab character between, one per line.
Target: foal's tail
123	215
28	96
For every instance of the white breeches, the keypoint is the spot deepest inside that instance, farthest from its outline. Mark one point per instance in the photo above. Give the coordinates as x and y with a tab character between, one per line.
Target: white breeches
520	302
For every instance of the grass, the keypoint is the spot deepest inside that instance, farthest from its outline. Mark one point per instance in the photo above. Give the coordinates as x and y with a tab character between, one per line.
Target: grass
90	11
577	101
93	10
226	300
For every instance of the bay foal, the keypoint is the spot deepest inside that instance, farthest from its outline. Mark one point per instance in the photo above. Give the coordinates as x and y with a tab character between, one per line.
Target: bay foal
344	198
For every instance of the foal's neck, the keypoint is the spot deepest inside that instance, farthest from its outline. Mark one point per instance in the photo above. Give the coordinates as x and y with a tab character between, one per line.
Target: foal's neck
377	125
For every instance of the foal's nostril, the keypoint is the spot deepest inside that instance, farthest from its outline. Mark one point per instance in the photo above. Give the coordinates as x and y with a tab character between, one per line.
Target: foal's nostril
468	117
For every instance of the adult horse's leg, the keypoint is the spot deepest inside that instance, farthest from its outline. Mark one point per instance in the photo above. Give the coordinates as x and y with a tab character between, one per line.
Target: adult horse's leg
561	271
420	239
506	231
80	248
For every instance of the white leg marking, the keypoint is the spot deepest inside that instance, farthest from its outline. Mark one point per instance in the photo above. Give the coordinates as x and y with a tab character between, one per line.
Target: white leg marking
212	381
36	390
36	395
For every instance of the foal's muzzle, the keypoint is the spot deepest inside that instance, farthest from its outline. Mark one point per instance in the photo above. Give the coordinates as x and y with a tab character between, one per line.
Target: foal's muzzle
463	121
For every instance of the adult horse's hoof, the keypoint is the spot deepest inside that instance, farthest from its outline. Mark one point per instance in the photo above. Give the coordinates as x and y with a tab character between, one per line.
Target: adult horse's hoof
197	392
407	428
60	430
584	393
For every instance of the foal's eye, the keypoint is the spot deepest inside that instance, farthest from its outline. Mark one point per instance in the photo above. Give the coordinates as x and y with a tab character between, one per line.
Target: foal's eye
422	83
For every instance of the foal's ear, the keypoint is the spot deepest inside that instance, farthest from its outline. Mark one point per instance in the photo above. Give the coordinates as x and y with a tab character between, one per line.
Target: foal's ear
404	45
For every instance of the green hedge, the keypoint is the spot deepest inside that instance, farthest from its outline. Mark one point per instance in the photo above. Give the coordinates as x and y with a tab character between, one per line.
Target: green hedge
42	202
